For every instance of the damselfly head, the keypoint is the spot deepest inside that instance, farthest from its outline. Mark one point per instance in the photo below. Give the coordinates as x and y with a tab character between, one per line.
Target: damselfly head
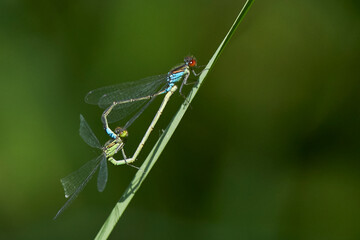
190	61
121	132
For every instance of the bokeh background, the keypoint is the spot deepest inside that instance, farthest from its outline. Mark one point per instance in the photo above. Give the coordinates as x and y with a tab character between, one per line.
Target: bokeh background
269	150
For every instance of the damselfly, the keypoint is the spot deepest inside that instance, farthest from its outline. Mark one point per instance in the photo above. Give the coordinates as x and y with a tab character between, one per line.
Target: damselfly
123	99
75	182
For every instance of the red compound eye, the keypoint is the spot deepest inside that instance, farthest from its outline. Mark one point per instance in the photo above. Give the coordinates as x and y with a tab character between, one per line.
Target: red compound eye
192	62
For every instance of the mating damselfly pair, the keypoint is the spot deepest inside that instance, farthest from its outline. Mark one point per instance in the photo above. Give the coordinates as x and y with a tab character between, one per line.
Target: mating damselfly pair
121	101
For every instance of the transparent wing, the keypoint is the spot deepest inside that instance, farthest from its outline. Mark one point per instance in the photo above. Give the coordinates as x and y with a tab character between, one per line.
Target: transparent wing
135	116
75	182
80	177
102	175
87	134
122	111
129	90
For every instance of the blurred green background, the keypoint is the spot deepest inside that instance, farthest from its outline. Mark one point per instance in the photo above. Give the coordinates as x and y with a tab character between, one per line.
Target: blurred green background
269	150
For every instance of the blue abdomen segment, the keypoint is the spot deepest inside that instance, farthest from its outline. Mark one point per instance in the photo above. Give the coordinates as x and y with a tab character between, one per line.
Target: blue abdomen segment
174	78
111	133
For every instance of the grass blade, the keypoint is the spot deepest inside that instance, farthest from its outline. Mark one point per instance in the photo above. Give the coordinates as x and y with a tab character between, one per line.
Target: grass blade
140	176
